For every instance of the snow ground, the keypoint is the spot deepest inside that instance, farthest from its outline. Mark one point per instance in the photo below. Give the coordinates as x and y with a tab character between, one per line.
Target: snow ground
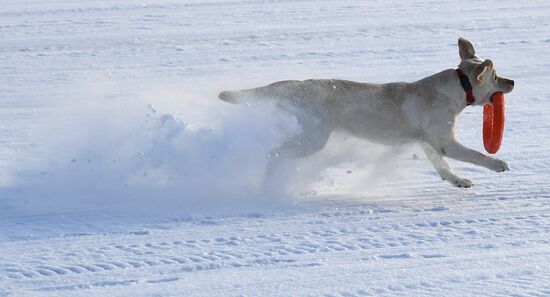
99	100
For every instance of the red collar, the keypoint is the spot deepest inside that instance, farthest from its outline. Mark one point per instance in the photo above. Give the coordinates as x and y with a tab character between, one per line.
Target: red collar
465	82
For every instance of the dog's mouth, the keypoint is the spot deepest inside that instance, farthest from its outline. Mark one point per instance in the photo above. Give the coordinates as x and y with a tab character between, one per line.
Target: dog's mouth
494	95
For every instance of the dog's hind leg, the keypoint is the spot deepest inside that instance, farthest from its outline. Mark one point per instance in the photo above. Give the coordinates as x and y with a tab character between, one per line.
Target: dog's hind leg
443	168
311	140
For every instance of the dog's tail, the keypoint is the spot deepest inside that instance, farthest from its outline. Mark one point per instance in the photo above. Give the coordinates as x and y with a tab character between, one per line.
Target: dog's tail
240	96
274	91
228	96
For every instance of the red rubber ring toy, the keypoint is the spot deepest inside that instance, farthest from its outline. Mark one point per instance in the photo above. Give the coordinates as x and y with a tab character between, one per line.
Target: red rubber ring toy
493	123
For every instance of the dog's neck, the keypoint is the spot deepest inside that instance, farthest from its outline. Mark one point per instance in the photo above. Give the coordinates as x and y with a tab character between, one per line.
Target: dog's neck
466	86
449	85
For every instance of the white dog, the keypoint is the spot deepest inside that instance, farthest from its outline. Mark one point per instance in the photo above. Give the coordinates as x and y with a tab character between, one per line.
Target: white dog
395	113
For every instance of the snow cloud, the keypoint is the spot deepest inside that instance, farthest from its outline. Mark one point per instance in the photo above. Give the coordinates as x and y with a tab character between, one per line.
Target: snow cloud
130	146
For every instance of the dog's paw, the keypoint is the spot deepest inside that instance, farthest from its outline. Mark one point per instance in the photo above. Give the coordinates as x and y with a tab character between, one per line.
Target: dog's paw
499	165
461	183
456	181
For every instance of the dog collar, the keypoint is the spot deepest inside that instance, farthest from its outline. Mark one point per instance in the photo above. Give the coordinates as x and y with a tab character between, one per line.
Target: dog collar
465	82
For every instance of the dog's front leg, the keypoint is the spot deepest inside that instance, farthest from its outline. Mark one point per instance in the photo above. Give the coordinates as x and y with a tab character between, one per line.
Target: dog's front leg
443	168
454	150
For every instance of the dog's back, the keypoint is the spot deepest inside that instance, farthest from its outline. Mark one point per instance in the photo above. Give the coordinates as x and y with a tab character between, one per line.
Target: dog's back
372	111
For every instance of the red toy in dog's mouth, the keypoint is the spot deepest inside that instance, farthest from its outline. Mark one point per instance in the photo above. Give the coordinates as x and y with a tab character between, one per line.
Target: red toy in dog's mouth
493	123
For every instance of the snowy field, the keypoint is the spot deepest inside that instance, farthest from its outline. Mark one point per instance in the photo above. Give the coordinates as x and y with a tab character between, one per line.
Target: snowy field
122	174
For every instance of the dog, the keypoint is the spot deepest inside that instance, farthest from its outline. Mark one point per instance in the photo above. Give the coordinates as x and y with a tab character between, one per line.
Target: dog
395	113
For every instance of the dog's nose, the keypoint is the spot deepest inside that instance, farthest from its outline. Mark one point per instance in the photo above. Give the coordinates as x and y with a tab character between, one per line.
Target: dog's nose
512	82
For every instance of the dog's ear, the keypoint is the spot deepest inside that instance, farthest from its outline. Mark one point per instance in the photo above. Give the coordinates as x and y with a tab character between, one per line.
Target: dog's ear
465	49
481	69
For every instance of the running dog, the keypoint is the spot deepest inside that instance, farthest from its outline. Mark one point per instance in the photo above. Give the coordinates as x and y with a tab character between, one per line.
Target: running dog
392	114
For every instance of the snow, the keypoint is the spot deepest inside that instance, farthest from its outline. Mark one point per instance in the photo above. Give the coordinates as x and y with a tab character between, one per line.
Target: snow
122	174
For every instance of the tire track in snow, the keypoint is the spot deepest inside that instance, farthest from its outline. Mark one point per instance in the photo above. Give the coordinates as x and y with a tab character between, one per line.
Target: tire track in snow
408	241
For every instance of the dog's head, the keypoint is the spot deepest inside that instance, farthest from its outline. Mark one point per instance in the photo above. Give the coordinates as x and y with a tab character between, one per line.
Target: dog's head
483	77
